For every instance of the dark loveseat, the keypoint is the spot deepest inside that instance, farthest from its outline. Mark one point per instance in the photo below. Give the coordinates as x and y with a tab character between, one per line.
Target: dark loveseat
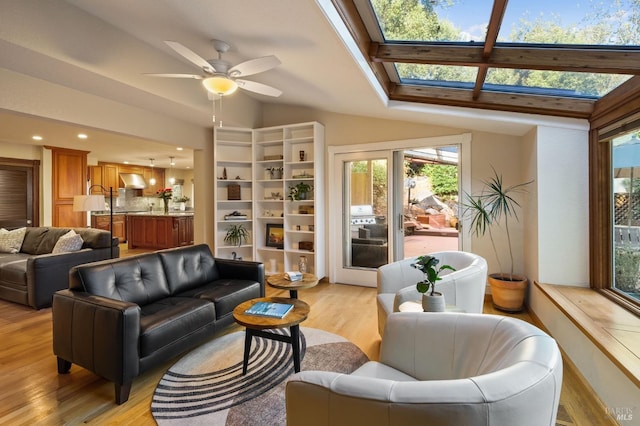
370	249
32	275
119	318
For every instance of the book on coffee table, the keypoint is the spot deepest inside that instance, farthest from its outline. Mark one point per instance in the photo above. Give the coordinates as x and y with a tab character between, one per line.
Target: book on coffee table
269	309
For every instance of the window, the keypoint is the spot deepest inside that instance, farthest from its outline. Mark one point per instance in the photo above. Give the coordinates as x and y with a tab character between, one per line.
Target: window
615	205
557	57
625	162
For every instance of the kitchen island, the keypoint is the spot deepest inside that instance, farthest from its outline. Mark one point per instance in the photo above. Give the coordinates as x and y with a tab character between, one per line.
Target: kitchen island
157	231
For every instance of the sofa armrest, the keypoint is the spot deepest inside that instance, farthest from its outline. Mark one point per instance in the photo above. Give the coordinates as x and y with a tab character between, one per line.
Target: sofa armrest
48	273
243	270
97	333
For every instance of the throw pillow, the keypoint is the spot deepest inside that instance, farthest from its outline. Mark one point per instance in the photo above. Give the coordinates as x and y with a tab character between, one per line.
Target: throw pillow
11	241
69	242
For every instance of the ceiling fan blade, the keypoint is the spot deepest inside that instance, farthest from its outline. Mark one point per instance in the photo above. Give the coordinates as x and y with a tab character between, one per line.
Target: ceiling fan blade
191	56
254	66
260	88
197	77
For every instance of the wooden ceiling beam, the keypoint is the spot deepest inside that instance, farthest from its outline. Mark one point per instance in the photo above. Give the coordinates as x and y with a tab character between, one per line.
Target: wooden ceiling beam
613	61
532	104
497	13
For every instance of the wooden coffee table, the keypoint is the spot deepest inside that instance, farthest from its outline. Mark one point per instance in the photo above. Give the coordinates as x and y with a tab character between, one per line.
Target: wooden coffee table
279	281
256	325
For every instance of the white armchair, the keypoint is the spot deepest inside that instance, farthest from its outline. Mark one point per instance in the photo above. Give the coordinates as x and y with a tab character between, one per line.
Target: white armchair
464	287
439	369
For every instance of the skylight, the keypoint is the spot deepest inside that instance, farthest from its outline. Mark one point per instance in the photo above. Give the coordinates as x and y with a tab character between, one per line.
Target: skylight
577	50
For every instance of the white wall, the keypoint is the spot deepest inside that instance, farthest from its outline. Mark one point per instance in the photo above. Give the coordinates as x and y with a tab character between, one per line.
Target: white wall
563	206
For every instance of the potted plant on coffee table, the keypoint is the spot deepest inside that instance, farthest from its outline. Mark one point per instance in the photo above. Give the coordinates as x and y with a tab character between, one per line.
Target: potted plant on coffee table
236	235
434	301
496	206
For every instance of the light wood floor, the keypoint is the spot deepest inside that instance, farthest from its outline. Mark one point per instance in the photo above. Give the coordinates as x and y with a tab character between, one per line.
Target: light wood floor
32	392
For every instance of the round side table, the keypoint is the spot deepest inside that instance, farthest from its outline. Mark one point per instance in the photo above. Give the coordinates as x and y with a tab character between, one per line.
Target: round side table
279	281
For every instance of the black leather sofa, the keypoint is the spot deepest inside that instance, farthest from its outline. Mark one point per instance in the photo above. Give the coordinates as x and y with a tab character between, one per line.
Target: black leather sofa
119	318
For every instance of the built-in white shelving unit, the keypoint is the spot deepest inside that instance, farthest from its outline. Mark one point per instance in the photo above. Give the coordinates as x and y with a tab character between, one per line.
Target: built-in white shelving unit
233	156
280	158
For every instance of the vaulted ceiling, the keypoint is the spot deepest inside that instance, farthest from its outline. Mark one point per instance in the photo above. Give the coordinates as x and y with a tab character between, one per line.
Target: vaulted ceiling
99	51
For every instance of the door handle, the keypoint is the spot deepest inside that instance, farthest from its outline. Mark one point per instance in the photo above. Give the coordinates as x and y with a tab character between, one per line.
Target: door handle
400	222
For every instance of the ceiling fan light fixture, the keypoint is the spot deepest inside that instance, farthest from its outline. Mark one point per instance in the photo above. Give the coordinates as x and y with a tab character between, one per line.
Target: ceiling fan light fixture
220	85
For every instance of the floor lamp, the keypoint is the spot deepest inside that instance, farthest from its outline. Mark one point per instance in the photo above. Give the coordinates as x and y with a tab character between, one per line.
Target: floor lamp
92	203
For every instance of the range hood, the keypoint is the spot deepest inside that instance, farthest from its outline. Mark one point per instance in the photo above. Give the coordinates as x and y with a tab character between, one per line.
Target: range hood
133	181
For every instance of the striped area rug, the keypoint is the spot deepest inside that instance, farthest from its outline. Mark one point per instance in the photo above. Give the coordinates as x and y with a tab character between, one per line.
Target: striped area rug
207	386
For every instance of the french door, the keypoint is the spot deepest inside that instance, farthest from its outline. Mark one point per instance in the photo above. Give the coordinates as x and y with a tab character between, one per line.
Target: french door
372	204
366	229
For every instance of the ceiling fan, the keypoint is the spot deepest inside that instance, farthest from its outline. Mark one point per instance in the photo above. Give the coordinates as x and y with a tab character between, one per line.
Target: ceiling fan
219	77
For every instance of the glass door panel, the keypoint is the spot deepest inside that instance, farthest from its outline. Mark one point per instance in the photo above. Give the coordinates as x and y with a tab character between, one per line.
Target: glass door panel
366	217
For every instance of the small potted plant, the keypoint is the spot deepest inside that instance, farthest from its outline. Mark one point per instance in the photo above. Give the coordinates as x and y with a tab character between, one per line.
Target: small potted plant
299	191
236	235
182	202
275	172
434	301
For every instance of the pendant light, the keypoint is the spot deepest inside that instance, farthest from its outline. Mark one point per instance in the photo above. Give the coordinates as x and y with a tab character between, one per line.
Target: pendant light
152	181
172	179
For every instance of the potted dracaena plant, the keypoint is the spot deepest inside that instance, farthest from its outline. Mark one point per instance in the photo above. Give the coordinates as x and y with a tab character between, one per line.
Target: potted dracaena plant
433	301
236	235
495	206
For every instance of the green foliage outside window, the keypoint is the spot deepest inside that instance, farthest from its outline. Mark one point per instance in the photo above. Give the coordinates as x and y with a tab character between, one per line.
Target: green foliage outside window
627	270
444	179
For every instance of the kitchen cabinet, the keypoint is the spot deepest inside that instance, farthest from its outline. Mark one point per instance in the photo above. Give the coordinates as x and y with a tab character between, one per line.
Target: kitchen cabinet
96	176
119	225
153	173
184	227
111	178
159	231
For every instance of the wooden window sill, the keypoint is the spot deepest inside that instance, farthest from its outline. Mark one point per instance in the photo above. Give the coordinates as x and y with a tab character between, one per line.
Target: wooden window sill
613	329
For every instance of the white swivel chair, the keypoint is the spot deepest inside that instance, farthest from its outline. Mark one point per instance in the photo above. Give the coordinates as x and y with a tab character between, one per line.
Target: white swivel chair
439	369
464	288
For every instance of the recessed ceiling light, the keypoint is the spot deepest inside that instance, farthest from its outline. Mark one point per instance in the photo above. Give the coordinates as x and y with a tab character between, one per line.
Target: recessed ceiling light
179	148
82	136
36	137
125	162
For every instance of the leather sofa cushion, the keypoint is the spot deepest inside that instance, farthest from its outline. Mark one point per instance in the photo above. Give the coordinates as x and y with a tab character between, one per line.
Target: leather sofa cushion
138	279
94	238
41	240
190	267
168	320
13	273
226	294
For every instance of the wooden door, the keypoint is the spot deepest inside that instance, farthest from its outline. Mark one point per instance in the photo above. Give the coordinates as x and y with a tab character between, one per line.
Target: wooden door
69	178
19	192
